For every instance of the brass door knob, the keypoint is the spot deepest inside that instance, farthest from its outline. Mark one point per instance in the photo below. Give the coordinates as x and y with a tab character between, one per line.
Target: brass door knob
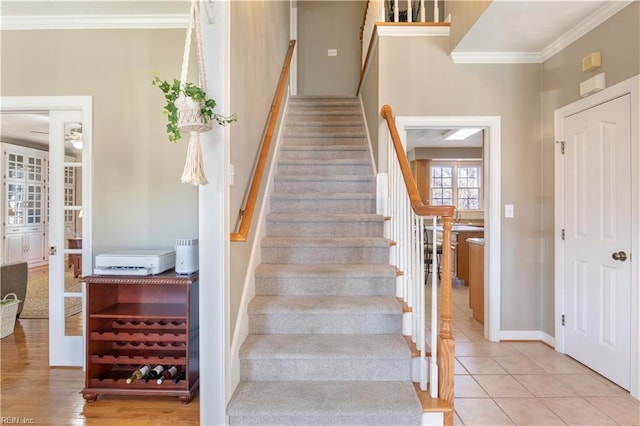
619	255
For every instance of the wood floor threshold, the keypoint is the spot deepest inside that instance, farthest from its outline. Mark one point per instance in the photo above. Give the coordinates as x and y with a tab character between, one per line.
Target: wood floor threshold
429	404
415	352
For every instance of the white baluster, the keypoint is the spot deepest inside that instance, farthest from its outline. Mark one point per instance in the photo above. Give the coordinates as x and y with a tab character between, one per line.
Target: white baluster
396	11
436	11
409	11
423	13
434	311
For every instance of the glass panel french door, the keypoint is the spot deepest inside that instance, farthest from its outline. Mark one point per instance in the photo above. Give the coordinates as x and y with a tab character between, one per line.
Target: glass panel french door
66	290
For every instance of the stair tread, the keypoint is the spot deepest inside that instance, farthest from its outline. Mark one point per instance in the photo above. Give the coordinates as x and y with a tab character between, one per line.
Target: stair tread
325	162
321	305
360	242
322	398
327	178
324	195
325	270
336	147
327	346
329	217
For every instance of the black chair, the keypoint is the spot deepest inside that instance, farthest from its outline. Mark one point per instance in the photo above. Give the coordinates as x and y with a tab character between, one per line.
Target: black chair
428	252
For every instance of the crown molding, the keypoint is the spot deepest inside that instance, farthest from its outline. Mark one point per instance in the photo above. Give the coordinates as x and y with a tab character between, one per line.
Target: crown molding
604	13
85	22
495	58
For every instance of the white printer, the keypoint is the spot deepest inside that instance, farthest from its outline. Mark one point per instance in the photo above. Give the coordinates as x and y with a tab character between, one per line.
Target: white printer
134	262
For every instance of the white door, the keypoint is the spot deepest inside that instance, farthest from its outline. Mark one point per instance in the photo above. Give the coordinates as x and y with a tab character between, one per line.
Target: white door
66	301
597	224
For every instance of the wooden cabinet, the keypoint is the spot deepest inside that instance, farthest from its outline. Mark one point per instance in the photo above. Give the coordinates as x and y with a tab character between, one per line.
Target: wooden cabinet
133	321
460	234
476	278
24	201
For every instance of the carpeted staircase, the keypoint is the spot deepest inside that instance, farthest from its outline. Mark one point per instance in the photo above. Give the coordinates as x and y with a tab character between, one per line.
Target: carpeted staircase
325	344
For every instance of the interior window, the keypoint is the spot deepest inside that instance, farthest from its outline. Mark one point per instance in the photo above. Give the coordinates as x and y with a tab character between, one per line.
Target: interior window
456	183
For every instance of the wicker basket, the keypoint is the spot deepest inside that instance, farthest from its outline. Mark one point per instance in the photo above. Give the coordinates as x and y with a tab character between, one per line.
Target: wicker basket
189	117
8	312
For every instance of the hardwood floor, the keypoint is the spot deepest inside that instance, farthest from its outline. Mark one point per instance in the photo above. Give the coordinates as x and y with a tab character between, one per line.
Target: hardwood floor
33	393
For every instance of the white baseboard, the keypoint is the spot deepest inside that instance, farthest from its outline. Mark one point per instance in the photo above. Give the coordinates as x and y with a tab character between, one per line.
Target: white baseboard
537	335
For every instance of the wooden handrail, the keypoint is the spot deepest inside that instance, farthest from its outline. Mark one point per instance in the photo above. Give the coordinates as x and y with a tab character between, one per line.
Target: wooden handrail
446	345
412	189
252	197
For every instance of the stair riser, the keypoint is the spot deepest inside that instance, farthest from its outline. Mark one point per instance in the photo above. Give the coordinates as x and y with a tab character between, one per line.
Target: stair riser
365	186
323	206
346	154
326	420
324	229
328	131
322	139
325	324
325	286
324	255
325	170
352	119
326	108
325	369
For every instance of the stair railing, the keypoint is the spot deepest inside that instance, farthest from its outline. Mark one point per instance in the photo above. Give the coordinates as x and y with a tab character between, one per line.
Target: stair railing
245	215
406	230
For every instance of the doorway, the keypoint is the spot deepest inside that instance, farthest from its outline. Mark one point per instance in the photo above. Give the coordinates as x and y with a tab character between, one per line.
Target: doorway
597	222
492	190
66	201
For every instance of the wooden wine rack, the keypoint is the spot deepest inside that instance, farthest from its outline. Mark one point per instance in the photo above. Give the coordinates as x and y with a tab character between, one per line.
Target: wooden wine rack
132	321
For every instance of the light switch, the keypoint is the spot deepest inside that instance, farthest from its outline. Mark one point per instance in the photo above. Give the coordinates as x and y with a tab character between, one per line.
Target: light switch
508	210
332	52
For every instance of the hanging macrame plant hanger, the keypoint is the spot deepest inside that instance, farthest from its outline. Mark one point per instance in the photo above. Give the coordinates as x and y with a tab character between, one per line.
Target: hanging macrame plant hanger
190	118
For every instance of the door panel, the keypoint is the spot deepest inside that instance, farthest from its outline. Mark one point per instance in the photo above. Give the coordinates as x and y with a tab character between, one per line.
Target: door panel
597	224
66	345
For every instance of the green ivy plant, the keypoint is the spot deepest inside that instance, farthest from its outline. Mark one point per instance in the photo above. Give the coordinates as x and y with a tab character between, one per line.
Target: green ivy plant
171	93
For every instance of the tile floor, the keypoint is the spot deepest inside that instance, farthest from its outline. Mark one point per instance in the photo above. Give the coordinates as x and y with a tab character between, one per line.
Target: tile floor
528	383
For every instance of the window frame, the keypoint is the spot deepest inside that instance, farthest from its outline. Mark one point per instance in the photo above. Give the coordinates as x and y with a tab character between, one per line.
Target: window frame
455	164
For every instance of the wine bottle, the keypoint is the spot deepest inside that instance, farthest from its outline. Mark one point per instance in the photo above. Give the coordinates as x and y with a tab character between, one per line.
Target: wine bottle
181	375
154	373
139	373
167	374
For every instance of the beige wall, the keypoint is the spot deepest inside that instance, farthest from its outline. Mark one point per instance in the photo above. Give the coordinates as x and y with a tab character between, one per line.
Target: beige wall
618	41
324	25
463	15
259	42
432	84
139	201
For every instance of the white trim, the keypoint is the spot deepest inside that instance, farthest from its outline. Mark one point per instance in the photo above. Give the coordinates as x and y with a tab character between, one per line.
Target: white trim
629	86
87	22
412	31
366	130
492	197
213	224
85	105
496	58
591	22
536	335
